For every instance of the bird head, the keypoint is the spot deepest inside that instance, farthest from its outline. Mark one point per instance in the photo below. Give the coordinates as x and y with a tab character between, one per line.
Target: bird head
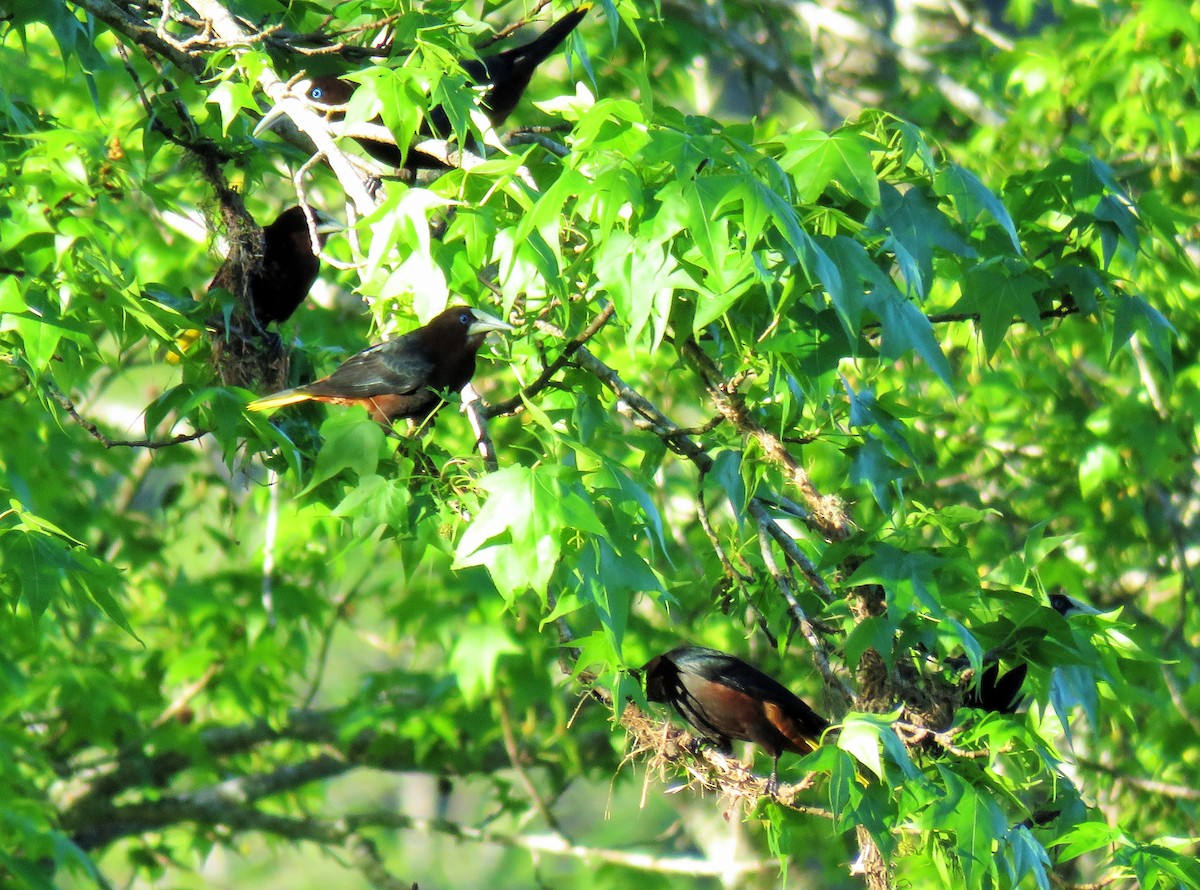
328	93
663	683
290	230
463	324
1067	605
327	90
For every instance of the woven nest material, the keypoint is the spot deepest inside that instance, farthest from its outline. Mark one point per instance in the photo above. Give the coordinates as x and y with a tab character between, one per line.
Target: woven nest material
257	362
668	750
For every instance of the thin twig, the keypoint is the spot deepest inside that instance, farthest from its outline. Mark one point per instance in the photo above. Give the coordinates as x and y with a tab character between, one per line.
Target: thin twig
96	433
832	680
1162	789
511	406
189	692
525	137
828	514
515	26
1061	311
518	763
713	540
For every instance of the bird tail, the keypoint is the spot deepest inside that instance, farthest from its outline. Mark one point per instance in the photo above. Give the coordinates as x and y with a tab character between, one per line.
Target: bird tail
279	399
537	50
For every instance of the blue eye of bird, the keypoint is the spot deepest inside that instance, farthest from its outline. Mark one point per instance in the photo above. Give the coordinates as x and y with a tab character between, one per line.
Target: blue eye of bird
316	93
465	318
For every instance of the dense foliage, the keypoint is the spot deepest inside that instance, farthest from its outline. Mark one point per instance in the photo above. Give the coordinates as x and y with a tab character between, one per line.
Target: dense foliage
845	337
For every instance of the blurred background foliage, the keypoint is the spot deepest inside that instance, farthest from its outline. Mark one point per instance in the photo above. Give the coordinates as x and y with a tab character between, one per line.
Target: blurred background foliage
904	309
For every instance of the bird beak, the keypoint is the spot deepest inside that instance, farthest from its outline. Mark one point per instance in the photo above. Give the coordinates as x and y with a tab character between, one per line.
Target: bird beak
269	120
484	323
327	225
276	114
1078	607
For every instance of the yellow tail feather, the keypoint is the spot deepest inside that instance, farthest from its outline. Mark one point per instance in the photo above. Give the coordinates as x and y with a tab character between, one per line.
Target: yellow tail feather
278	400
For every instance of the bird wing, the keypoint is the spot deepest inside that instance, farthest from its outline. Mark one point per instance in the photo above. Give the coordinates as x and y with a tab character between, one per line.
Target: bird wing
1001	694
398	367
738	675
802	734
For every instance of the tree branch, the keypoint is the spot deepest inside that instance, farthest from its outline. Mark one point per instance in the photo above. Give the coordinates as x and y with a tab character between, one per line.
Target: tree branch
765	535
827	513
141	34
832	21
1162	789
313	125
511	406
95	432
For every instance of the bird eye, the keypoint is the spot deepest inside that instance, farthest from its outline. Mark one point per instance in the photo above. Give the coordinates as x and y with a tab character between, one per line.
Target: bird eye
316	93
465	318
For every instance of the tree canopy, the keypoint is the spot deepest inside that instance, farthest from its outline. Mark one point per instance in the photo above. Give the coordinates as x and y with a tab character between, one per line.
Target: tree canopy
846	337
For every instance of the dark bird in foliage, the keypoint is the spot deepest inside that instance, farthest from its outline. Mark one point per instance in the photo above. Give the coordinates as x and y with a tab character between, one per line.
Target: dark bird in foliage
281	281
506	76
723	698
1001	694
403	377
996	693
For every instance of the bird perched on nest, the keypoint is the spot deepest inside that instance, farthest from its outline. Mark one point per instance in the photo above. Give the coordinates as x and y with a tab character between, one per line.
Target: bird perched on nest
278	284
505	75
402	378
723	698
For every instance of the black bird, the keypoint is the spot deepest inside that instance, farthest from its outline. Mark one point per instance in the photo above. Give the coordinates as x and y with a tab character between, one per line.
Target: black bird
723	698
281	281
1001	694
402	378
506	74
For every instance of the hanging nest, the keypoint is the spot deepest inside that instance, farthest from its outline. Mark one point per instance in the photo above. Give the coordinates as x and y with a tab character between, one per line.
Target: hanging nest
927	700
244	353
257	362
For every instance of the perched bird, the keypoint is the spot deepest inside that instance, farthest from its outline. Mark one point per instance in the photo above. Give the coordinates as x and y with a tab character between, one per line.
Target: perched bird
1001	694
995	693
279	284
403	377
505	74
724	698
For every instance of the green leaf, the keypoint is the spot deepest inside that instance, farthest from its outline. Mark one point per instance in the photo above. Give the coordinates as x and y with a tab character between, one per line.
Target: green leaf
972	198
1118	213
906	329
1135	314
641	278
861	736
352	442
1100	464
816	159
232	97
1085	838
477	650
997	297
1028	857
517	534
912	227
976	822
